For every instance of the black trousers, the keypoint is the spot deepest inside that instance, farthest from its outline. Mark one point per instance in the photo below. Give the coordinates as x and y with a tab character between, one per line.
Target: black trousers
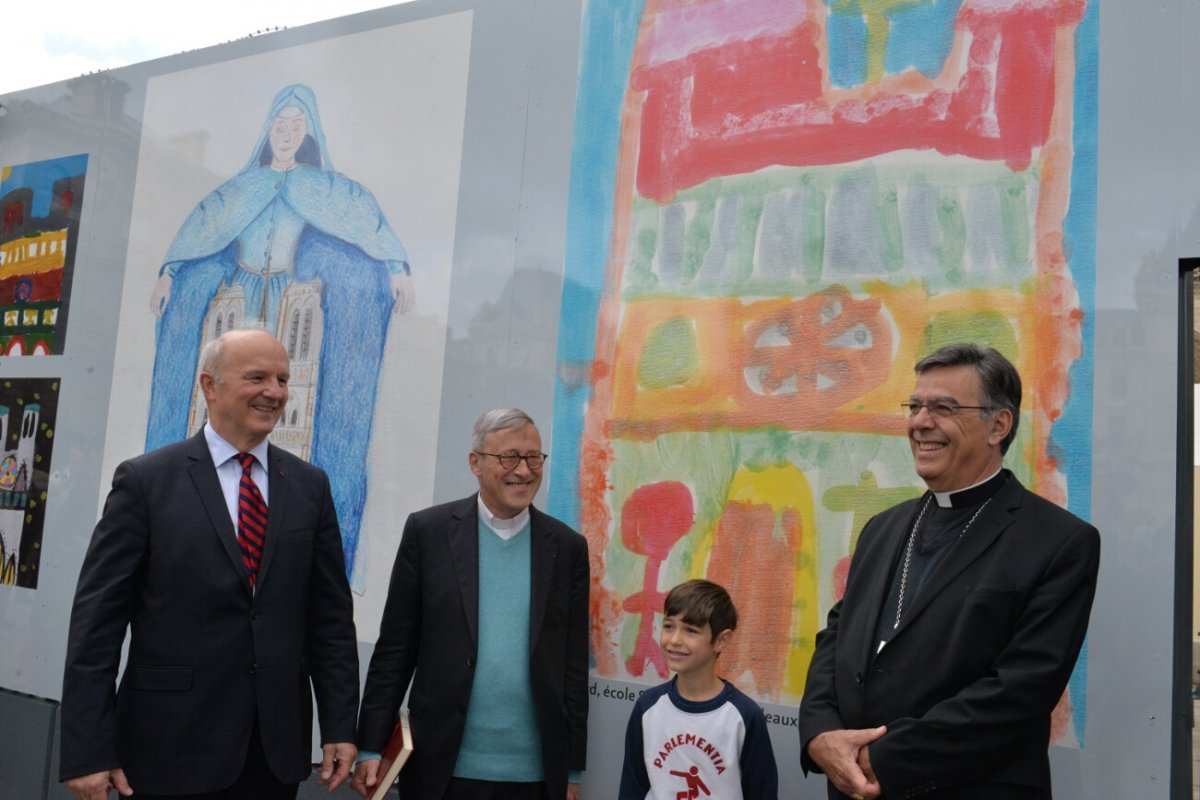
256	782
467	789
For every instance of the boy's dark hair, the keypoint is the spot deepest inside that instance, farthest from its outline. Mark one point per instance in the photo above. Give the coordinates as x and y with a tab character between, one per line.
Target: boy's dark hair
701	602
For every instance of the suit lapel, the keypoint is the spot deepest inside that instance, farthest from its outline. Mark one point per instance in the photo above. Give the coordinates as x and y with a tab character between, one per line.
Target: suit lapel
463	540
888	553
987	528
204	477
278	484
542	552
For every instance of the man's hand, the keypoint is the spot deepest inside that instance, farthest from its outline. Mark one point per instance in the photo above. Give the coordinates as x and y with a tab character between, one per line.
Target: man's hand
864	763
572	791
841	755
366	777
97	785
335	766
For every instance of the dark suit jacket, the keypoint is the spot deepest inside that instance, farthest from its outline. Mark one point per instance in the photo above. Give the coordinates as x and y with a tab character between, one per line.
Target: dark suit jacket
206	657
429	628
969	679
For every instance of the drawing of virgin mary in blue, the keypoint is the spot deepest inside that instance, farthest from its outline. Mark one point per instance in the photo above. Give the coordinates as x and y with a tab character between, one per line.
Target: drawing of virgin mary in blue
287	217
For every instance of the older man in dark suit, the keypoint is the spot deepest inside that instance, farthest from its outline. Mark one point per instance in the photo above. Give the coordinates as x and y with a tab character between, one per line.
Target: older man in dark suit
487	616
221	554
964	612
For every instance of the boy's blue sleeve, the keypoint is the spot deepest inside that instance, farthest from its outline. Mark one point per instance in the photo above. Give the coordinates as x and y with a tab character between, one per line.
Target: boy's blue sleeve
760	779
635	782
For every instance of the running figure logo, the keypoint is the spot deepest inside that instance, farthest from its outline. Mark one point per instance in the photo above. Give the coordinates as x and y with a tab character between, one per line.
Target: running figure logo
694	785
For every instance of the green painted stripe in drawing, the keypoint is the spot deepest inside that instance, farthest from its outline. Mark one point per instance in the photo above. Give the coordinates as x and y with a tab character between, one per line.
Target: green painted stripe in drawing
812	249
749	216
697	238
954	237
889	225
1014	211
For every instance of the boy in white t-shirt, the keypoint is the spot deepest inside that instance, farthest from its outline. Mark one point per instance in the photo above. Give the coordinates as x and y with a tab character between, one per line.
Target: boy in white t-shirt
697	736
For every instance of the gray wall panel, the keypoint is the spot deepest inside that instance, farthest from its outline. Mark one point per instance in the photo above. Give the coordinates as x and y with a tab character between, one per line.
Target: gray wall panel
27	727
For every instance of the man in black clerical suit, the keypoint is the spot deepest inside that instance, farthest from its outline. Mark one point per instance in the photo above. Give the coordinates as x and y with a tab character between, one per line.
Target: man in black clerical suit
963	615
229	624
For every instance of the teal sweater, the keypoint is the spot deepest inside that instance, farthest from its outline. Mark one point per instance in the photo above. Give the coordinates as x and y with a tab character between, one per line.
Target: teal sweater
502	741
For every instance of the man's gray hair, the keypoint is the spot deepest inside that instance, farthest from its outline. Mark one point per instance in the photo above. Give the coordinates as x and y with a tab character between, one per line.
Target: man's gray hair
999	378
212	357
498	419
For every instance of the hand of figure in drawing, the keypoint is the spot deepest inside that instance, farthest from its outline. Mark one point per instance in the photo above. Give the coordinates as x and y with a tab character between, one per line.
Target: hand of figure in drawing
839	755
403	294
97	785
366	777
160	295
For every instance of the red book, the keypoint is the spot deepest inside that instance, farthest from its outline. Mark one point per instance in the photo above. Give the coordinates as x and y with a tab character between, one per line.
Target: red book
397	751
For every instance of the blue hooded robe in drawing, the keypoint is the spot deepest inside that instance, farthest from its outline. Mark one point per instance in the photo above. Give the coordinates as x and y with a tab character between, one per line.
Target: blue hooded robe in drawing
336	233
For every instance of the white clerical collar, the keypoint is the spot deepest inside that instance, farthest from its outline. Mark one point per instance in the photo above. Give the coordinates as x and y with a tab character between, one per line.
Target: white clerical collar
504	528
946	499
221	450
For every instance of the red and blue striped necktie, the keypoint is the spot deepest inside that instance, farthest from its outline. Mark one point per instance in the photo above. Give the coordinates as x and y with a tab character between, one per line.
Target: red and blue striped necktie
251	518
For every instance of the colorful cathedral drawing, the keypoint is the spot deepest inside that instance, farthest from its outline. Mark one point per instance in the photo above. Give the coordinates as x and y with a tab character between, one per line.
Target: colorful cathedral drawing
14	488
39	228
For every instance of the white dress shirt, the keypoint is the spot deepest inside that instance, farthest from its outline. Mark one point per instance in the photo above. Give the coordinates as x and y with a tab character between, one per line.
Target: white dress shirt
229	471
504	528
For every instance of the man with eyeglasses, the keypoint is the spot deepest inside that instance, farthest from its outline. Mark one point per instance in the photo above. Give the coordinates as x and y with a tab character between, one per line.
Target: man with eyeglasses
963	614
487	616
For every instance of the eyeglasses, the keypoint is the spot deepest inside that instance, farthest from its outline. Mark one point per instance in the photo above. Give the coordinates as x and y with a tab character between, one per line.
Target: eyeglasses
510	460
938	408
